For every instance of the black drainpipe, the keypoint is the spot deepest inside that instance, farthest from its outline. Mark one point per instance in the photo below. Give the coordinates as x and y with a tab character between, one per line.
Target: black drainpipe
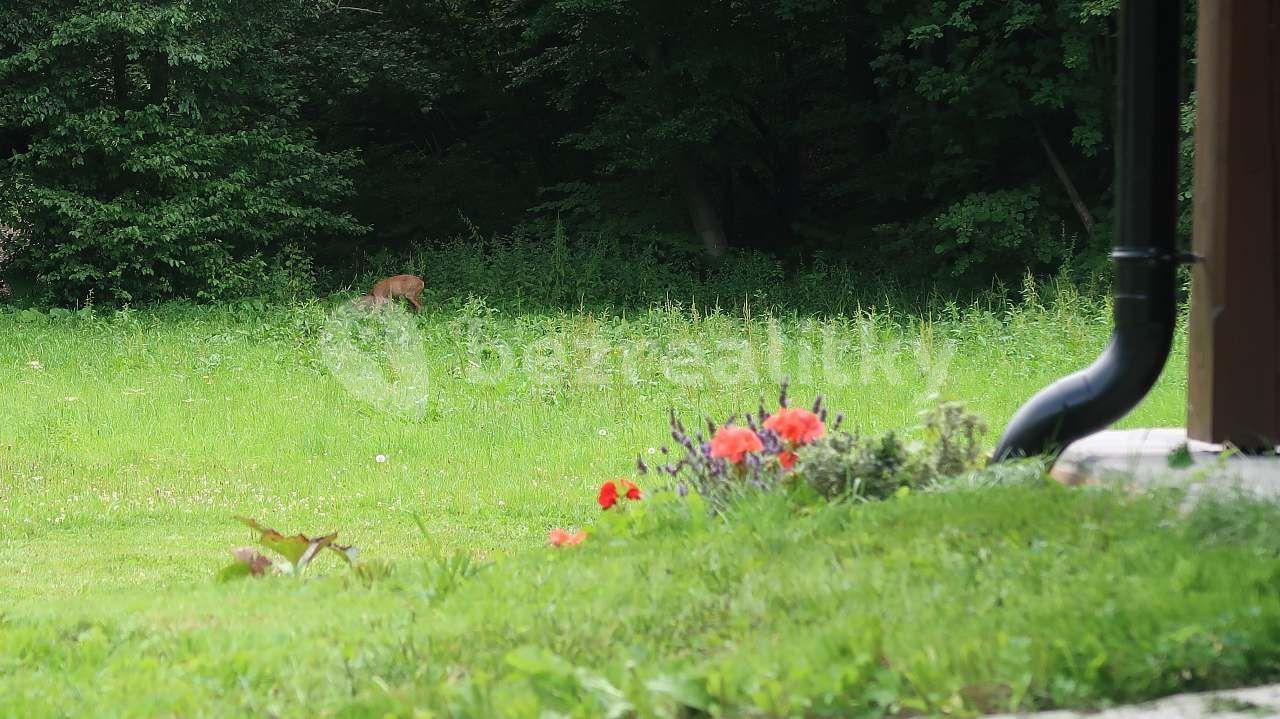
1145	255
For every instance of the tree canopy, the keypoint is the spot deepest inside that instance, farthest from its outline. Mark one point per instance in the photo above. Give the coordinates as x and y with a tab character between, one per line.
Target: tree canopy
162	148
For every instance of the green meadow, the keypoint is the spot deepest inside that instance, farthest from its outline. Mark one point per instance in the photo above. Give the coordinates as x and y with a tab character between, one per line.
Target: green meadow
446	446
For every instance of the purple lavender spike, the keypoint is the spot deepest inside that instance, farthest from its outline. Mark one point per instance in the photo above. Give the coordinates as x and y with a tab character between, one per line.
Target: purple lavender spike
822	414
782	392
711	427
839	420
682	489
641	466
817	404
771	441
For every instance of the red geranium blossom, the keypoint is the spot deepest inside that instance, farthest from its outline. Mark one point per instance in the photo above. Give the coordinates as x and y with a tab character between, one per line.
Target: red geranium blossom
733	443
561	537
608	495
787	459
633	492
798	426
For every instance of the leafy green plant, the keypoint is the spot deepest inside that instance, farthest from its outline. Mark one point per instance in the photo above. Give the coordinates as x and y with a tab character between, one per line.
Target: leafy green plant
1002	229
295	552
953	439
849	464
444	571
878	466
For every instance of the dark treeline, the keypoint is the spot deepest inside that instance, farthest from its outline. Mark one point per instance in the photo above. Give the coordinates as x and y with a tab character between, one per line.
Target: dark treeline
211	148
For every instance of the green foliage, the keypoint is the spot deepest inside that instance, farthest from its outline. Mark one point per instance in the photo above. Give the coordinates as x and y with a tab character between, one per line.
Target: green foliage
1000	231
953	438
522	273
877	467
162	152
175	148
843	464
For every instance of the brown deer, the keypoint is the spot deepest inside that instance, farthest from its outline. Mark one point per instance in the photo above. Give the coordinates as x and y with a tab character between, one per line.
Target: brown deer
406	286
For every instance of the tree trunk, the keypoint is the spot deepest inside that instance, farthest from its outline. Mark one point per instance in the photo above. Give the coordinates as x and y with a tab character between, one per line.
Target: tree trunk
1086	218
702	209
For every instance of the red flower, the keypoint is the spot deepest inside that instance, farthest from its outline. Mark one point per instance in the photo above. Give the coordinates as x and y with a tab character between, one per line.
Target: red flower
798	426
608	495
734	443
561	537
787	459
633	492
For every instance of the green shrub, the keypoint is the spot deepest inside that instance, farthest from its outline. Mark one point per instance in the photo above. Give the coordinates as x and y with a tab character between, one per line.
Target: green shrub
953	439
1004	228
843	464
875	467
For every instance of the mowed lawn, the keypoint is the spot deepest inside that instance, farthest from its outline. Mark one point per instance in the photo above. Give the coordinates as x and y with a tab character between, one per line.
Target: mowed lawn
129	439
129	433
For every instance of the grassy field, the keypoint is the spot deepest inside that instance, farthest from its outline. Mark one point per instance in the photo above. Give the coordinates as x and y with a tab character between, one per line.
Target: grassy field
128	439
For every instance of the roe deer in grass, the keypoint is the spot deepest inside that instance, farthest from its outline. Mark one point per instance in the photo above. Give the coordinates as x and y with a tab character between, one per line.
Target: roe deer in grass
406	286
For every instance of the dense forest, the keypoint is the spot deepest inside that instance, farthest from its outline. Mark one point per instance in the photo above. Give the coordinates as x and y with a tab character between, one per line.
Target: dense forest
212	148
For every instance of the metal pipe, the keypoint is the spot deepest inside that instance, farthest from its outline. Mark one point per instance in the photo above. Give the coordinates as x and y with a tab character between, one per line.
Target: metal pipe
1145	258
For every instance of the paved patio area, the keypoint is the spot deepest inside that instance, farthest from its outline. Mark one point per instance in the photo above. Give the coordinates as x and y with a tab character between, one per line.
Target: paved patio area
1233	704
1152	457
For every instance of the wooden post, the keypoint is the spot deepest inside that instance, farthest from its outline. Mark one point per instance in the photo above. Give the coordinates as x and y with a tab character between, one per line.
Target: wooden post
1234	388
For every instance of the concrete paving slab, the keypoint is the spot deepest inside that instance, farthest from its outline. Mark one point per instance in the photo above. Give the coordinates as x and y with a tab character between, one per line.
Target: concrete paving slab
1233	704
1150	457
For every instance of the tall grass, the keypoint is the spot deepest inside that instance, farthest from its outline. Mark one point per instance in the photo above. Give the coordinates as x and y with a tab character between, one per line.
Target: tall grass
518	273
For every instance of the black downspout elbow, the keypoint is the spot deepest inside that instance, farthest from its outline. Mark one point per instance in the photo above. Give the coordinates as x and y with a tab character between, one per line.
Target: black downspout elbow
1145	257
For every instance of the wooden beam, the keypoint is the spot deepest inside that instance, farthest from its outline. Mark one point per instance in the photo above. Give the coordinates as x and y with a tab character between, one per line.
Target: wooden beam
1234	363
